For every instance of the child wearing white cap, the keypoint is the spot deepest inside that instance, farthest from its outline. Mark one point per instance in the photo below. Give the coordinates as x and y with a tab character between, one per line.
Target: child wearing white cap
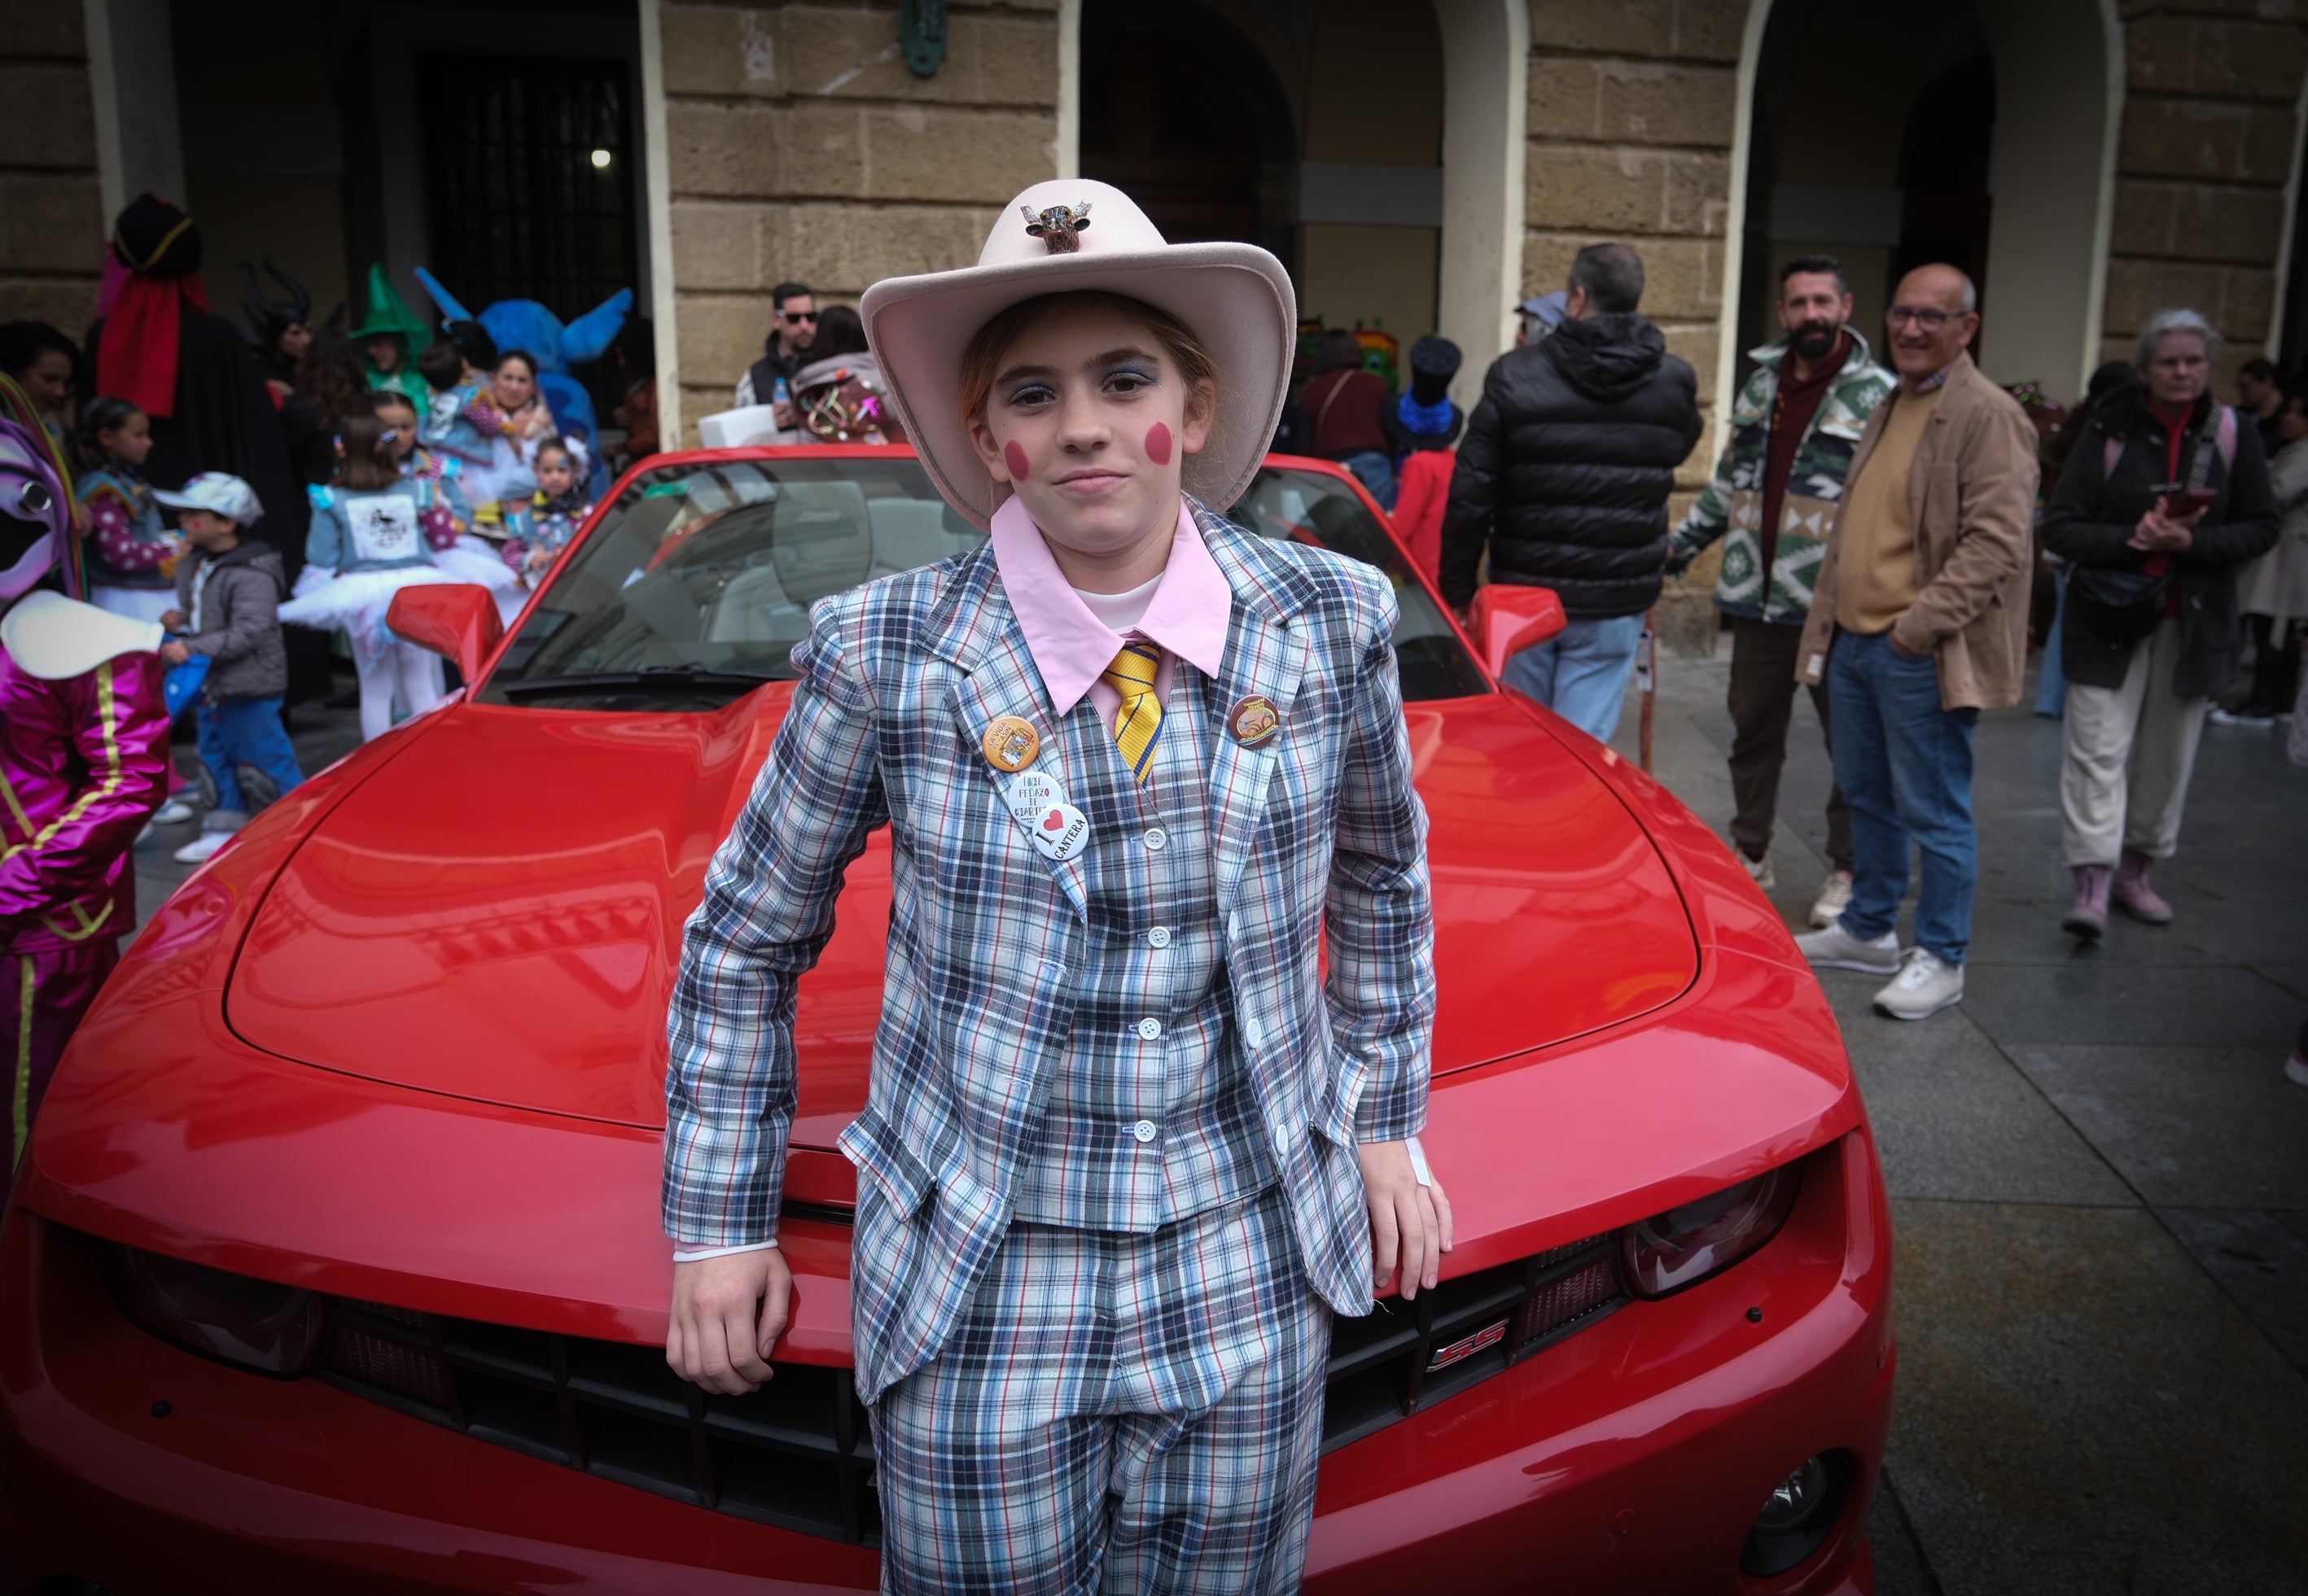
229	591
1121	1156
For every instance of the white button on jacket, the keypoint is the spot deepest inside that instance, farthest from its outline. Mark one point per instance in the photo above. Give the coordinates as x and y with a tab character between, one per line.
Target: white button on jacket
1143	1130
1159	936
1150	1028
1157	839
1252	1032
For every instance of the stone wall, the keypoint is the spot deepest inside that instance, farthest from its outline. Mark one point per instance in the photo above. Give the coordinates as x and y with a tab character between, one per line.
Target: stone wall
51	204
1631	106
802	150
2210	138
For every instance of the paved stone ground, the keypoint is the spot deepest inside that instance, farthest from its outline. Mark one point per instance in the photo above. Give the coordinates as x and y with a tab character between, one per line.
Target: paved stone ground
2099	1183
2098	1172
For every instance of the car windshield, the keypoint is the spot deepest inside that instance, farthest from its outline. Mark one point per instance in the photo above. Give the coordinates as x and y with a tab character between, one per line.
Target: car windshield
697	583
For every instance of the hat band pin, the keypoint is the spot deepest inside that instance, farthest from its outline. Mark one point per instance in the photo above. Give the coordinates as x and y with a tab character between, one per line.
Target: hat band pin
1059	228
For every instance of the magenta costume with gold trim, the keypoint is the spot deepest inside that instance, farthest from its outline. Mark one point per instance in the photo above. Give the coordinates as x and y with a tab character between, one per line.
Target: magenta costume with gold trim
83	763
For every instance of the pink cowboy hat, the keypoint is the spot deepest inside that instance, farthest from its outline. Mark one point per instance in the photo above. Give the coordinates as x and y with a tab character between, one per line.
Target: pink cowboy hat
1070	234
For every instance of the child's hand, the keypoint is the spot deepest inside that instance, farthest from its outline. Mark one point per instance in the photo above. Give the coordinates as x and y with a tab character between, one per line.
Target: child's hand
172	620
174	653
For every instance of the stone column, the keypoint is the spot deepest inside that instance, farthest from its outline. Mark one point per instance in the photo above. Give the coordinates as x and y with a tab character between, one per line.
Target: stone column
52	216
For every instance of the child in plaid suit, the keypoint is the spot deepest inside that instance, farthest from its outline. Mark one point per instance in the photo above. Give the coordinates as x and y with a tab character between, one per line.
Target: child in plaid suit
1123	1152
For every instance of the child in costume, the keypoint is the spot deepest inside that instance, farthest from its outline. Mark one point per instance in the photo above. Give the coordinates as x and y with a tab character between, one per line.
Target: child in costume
365	546
84	760
461	421
387	332
131	556
229	591
1423	424
443	511
554	514
1123	1151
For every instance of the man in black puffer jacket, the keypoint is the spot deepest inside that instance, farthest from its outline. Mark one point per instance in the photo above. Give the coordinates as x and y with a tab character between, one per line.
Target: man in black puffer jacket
1566	472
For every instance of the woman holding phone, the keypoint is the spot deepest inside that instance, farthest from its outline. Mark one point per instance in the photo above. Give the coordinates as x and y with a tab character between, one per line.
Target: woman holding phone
2156	507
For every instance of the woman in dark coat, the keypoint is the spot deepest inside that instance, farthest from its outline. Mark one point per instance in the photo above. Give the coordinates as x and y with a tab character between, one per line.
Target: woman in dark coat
2161	500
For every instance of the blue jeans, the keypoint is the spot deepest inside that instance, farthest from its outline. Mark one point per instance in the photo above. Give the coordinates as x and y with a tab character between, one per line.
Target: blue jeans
1904	767
2052	685
1376	472
1582	672
238	732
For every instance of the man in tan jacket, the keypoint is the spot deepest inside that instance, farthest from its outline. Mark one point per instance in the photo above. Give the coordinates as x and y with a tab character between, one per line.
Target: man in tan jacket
1917	624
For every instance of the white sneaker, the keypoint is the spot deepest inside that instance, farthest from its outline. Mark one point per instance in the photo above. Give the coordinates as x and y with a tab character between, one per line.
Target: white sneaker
1760	869
175	812
2242	718
1834	897
201	847
1926	984
1836	948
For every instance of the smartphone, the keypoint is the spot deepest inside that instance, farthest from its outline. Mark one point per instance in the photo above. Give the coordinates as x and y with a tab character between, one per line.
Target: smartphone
2180	502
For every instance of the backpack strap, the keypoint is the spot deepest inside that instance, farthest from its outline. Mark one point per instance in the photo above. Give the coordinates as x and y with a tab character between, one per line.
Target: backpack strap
2110	453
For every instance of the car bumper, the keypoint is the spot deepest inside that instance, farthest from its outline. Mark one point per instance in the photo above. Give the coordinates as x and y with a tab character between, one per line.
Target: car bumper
1631	1457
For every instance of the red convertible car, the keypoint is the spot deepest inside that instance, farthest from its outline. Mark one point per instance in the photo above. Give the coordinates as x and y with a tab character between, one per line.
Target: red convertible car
334	1262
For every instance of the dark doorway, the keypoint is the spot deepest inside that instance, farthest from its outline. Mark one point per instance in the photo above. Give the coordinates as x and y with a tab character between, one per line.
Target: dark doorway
529	167
1944	170
1179	111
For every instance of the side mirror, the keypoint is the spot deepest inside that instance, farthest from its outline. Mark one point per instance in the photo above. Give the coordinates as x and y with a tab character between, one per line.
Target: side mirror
1505	619
458	621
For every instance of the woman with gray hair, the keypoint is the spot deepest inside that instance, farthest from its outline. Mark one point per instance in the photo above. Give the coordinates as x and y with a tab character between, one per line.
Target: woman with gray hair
2156	507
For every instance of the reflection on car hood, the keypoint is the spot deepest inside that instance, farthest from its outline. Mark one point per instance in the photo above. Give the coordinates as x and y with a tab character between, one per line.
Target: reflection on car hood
496	912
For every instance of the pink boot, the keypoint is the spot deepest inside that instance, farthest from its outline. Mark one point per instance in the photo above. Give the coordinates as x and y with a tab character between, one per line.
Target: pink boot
2089	918
2134	896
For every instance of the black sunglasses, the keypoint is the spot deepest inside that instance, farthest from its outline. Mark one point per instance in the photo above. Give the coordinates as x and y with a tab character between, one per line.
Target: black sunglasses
797	317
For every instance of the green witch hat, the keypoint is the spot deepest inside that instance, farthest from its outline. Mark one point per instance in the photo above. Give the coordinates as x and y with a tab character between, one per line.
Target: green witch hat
387	312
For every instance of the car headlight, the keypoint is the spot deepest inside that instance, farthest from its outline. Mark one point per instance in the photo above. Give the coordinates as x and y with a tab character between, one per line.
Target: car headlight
1684	1245
273	1329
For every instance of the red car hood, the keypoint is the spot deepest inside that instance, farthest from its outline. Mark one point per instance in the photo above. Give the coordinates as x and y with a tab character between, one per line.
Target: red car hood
496	912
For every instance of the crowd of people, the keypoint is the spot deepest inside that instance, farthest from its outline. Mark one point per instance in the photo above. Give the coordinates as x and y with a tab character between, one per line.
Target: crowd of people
1882	529
297	475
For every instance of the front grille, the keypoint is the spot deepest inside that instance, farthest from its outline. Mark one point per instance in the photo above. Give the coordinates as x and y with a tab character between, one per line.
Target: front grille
798	1453
795	1454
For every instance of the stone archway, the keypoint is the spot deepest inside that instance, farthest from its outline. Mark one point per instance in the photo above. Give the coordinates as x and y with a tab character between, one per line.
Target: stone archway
2057	69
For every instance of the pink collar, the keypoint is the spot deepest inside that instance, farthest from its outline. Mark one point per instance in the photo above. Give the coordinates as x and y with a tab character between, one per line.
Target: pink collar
1189	615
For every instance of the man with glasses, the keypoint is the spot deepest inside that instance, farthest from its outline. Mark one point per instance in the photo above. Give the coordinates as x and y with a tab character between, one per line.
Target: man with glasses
1918	621
793	329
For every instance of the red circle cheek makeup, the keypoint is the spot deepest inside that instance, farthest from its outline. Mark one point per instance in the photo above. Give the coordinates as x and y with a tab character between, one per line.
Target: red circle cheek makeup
1014	455
1158	444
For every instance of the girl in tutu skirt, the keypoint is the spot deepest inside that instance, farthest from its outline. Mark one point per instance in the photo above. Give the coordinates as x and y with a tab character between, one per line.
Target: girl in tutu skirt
366	543
443	512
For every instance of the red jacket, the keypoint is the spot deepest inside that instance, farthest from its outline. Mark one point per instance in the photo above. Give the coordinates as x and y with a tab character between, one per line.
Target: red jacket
1422	487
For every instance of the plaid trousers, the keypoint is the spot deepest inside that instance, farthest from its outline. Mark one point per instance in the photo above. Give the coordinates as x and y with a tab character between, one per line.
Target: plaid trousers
1115	1412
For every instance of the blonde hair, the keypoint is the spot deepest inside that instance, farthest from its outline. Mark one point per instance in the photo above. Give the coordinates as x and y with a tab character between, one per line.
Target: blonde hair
981	361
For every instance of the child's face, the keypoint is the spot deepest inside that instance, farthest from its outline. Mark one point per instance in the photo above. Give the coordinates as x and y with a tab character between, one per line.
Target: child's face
1088	421
557	473
130	440
402	422
206	529
385	353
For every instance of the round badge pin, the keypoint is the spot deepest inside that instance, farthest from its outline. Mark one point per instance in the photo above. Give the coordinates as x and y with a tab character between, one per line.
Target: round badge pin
1010	743
1061	833
1254	720
1029	792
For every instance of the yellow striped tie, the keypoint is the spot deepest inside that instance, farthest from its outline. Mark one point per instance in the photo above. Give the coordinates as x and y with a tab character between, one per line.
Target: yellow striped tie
1139	722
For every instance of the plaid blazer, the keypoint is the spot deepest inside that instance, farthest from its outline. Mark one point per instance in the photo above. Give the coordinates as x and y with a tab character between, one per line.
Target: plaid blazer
1315	831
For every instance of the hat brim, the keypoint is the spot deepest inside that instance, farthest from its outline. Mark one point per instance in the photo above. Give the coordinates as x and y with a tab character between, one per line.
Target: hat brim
1236	299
